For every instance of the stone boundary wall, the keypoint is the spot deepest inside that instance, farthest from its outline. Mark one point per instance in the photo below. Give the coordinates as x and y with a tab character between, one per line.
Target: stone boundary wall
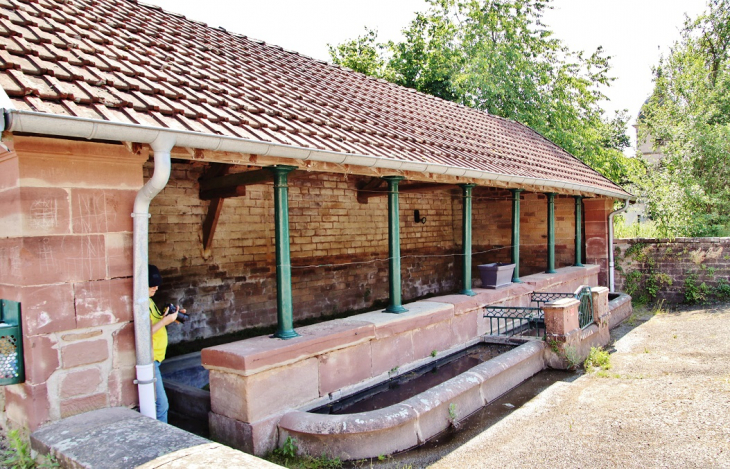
683	270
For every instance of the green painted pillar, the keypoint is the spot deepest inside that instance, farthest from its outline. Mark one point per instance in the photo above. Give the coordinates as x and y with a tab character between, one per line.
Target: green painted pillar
284	307
578	231
516	234
550	233
394	278
466	239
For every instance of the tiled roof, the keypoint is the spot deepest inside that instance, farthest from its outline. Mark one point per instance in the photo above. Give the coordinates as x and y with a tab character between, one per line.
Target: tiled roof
120	61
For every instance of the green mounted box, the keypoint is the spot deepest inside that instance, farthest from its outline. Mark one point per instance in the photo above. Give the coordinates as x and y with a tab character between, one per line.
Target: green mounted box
12	370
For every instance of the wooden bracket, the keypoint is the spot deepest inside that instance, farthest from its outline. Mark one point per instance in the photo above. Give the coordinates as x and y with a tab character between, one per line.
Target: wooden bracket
216	205
364	191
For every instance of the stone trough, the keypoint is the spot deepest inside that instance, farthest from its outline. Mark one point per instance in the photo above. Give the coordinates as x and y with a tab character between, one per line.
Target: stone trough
415	420
262	389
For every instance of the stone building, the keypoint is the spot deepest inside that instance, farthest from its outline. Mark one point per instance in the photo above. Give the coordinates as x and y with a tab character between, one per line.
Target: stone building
99	98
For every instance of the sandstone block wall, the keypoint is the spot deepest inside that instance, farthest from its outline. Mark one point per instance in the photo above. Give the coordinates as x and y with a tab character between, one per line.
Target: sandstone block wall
66	257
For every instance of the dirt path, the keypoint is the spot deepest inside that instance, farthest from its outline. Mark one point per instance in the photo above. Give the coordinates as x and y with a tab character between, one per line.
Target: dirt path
665	403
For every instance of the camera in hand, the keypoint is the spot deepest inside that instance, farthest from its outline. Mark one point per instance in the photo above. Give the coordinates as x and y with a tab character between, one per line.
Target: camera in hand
181	317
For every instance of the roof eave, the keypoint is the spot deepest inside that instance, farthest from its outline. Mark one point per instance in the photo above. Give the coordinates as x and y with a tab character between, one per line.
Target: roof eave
92	129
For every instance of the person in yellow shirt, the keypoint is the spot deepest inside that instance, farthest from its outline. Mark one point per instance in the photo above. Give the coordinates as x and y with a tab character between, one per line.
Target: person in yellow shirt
160	321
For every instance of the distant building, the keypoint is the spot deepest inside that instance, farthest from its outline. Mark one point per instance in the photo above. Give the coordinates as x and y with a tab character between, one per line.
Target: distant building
645	148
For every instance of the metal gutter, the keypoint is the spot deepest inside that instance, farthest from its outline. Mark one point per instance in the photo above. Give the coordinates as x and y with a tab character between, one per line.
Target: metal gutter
68	126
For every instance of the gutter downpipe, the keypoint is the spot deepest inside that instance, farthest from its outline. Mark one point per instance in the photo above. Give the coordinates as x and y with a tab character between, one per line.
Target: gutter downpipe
611	263
145	381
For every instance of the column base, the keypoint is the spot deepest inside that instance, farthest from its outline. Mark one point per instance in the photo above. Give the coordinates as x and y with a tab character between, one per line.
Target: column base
286	334
395	309
469	292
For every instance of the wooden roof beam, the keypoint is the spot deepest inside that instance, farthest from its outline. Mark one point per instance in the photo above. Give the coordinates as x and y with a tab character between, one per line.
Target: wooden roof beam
366	192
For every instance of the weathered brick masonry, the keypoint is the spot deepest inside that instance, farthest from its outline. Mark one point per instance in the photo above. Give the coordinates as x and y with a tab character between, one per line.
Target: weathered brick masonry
339	247
706	259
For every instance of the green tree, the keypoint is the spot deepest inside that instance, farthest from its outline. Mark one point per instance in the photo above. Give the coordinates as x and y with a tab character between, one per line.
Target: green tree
688	120
363	54
497	56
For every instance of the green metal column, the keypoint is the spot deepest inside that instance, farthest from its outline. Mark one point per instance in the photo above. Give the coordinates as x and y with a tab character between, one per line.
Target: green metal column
550	233
285	310
578	231
466	239
394	279
516	234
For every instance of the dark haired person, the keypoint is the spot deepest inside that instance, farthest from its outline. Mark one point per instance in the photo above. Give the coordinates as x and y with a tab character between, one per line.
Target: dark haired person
160	321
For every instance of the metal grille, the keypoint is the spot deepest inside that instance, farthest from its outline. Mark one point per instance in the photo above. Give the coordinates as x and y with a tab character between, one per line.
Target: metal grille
585	310
12	370
514	320
8	357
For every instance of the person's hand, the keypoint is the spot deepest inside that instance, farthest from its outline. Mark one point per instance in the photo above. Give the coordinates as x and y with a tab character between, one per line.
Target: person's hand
171	318
168	317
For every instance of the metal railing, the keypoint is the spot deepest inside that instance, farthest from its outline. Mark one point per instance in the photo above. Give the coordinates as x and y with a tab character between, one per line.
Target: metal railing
514	320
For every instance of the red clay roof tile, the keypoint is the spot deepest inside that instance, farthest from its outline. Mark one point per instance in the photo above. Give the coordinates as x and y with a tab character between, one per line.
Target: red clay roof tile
121	61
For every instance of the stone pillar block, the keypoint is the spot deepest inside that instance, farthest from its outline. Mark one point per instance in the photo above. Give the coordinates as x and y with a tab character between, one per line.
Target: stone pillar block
48	309
561	316
391	352
252	398
27	405
600	305
344	367
596	234
434	337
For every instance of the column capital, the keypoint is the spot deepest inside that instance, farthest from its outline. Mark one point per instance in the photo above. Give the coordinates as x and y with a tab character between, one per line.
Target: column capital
282	168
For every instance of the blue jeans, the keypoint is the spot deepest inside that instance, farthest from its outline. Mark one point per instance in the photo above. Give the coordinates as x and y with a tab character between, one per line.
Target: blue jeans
161	403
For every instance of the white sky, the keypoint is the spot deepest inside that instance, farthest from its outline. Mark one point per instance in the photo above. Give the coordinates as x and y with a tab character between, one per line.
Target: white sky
633	32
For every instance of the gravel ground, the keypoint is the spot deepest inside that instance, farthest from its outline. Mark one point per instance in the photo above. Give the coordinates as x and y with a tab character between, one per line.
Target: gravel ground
664	403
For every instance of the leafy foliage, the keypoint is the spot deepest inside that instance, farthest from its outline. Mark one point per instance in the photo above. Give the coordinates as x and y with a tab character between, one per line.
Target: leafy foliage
688	120
497	56
598	359
19	455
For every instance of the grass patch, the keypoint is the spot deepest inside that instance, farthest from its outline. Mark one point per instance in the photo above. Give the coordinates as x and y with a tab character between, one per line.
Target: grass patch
598	359
19	455
288	456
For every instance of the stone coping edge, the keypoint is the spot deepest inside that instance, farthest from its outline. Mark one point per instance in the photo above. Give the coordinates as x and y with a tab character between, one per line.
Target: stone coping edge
415	420
119	437
255	355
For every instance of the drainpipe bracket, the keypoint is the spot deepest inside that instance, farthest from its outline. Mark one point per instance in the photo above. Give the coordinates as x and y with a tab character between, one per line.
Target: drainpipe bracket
145	381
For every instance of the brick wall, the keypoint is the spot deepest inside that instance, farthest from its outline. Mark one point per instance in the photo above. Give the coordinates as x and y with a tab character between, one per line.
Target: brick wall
65	207
707	260
339	247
